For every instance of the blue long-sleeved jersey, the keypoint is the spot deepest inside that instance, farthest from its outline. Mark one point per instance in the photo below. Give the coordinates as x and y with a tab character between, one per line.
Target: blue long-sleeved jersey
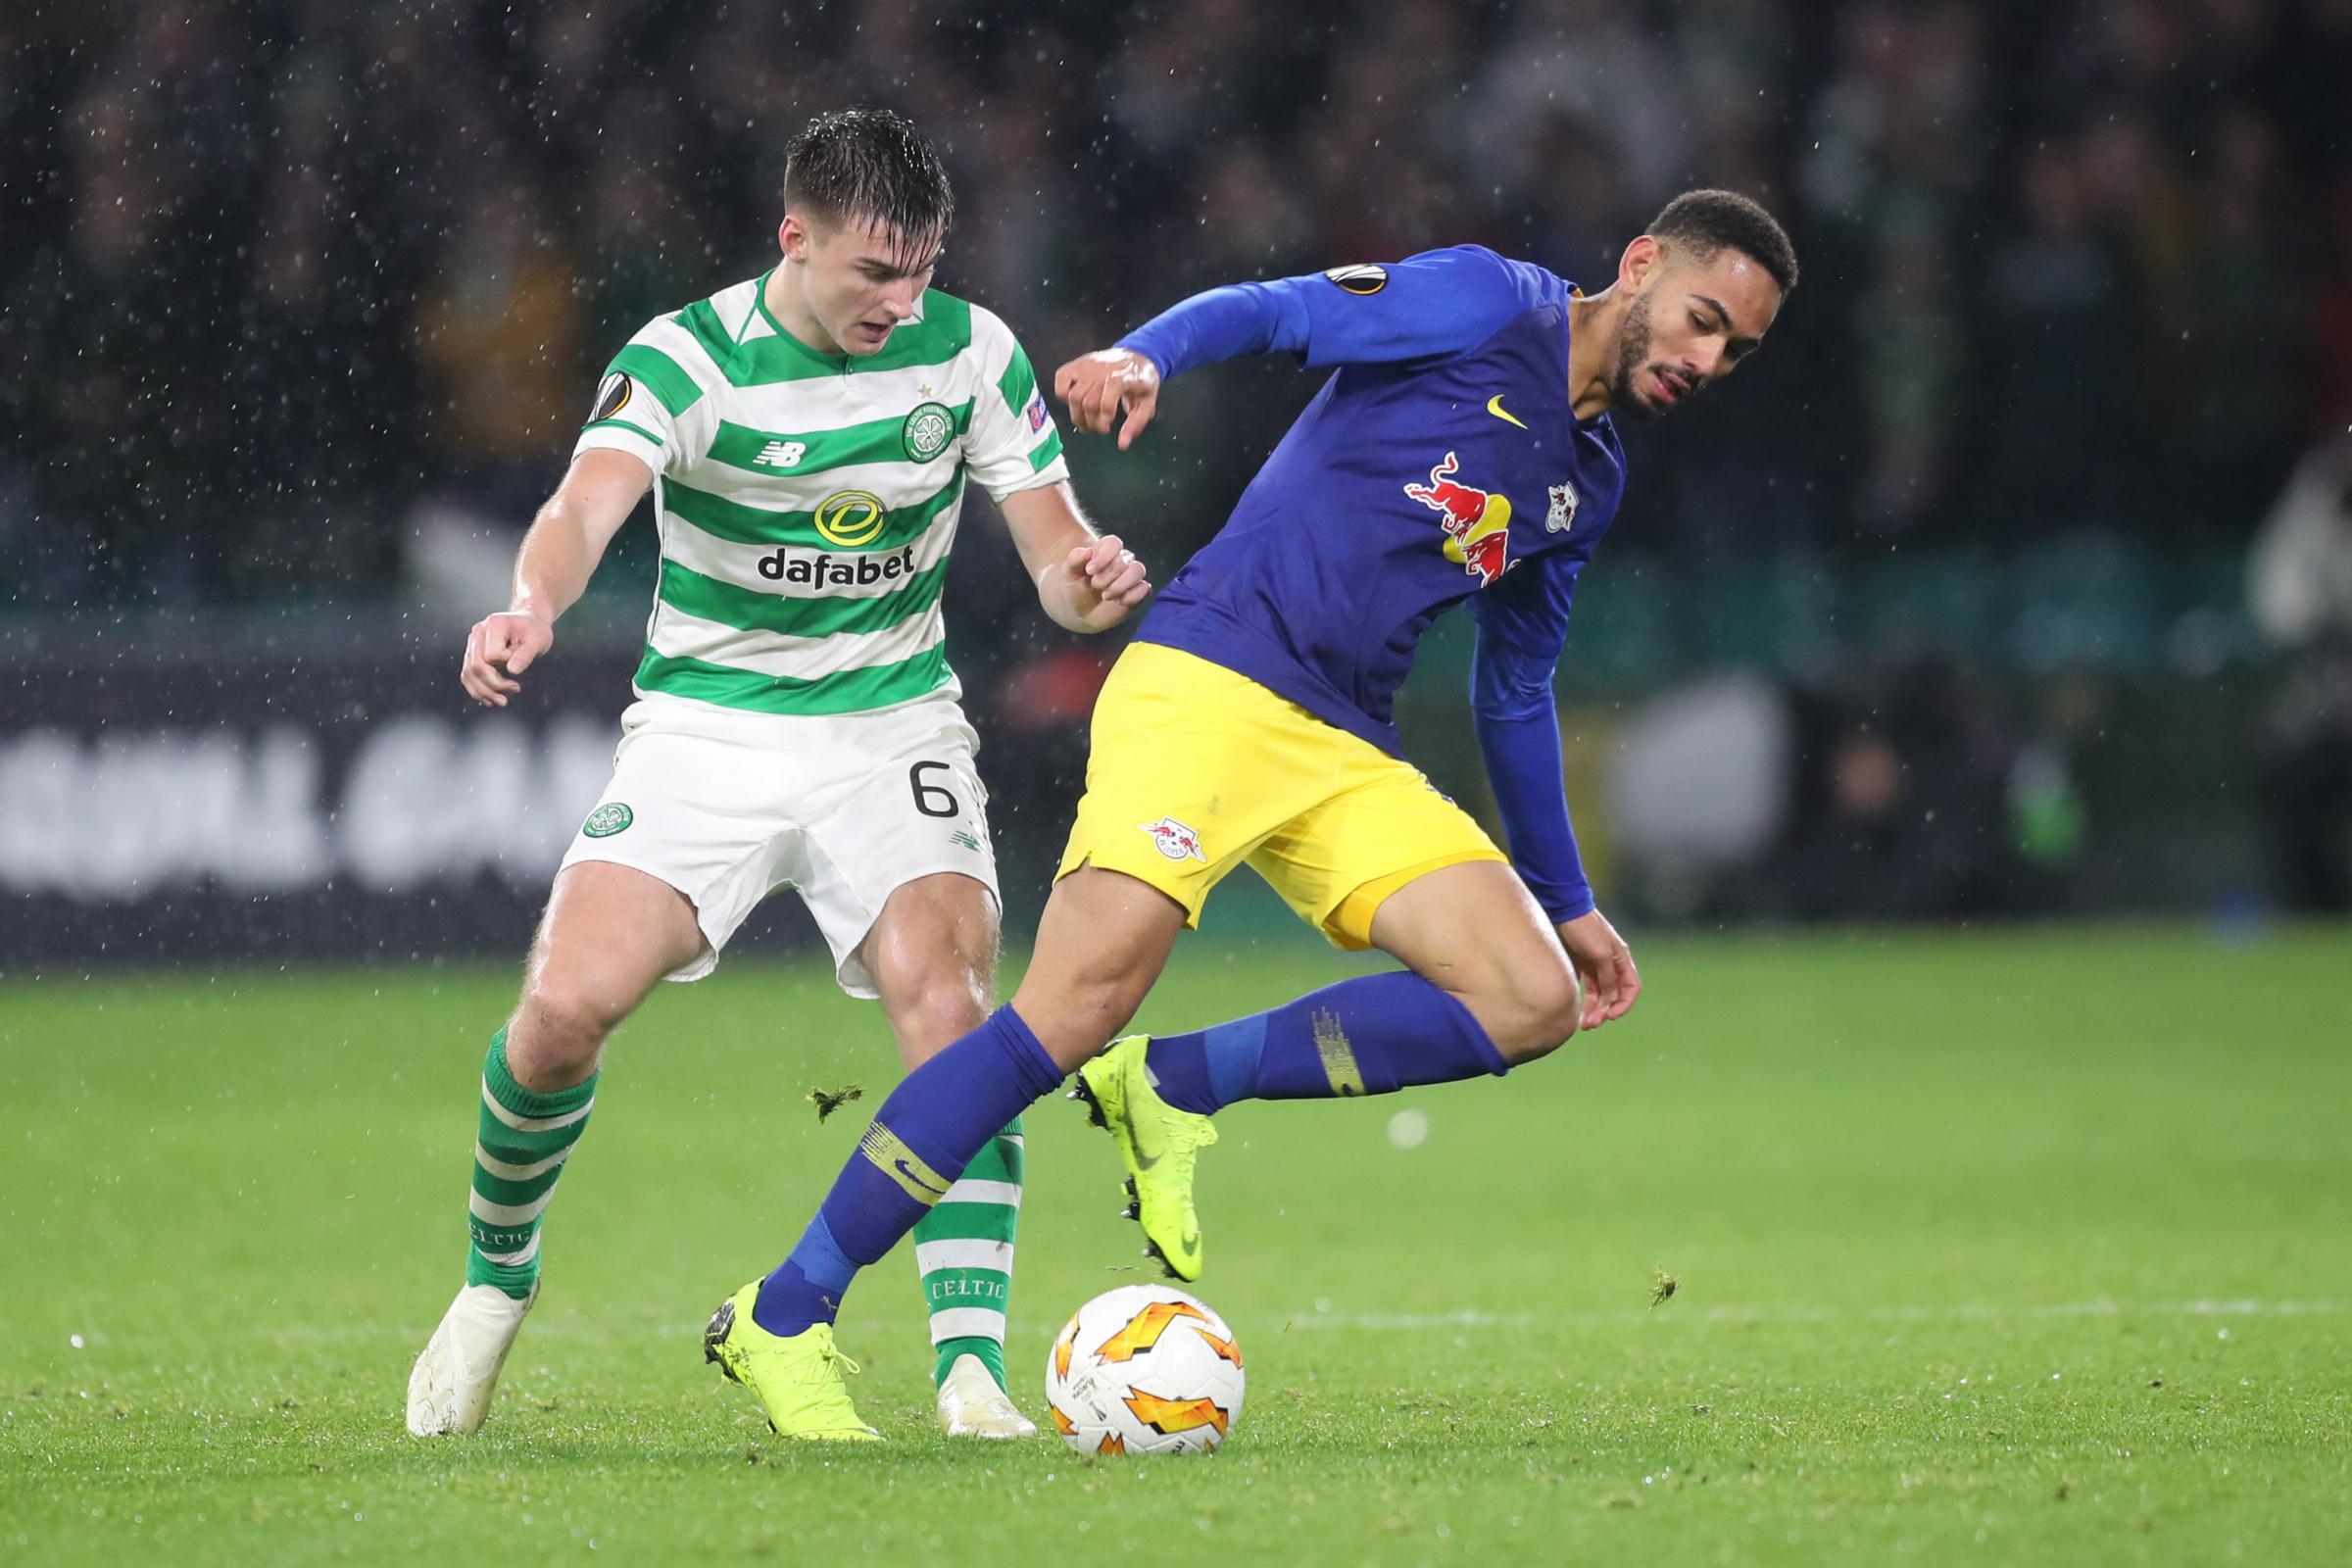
1440	462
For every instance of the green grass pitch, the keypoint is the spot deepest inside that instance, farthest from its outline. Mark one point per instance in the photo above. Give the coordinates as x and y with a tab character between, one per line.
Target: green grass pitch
2020	1248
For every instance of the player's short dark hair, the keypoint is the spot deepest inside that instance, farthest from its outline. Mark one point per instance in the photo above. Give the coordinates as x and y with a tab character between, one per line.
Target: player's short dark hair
1704	221
869	164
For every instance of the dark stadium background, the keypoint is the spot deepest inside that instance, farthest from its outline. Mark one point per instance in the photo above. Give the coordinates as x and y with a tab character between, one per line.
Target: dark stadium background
1983	592
1959	721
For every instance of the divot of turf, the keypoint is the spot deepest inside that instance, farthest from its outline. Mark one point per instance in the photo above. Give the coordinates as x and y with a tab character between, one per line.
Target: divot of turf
828	1102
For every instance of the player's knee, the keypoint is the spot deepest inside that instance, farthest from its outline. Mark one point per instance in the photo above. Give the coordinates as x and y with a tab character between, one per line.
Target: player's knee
1535	1011
560	1028
935	926
935	991
941	1006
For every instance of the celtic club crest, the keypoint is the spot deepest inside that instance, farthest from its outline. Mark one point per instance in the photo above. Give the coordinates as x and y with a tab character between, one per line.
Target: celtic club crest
608	819
927	431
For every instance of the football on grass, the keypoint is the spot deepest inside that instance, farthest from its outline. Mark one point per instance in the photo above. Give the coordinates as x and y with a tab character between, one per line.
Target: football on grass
1145	1369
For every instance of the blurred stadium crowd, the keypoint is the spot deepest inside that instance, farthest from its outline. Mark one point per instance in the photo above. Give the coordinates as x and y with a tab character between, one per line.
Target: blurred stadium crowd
276	267
284	276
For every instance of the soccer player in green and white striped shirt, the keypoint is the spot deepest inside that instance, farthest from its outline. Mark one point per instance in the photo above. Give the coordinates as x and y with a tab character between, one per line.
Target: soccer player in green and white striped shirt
807	436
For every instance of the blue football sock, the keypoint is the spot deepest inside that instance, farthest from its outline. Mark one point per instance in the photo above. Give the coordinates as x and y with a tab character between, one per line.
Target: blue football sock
926	1132
1368	1036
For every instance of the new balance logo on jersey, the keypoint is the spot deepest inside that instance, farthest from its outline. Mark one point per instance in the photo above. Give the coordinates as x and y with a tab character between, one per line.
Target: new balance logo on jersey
816	569
781	454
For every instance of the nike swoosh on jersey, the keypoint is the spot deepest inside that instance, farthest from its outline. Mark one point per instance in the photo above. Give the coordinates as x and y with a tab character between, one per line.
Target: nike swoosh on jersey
1495	407
916	1178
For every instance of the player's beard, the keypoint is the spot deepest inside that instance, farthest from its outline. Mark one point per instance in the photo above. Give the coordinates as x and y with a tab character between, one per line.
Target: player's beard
1633	351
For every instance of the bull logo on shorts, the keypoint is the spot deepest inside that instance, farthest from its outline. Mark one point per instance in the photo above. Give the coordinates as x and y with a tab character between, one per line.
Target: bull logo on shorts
1174	840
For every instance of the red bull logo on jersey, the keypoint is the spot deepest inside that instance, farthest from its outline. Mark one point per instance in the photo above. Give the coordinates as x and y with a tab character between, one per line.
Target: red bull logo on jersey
1174	840
1477	522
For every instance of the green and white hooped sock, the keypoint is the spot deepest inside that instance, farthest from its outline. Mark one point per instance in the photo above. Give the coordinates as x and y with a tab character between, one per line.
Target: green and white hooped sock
519	1147
963	1250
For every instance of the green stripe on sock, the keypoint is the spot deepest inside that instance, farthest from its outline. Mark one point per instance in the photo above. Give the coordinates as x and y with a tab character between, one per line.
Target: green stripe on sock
507	1145
970	1222
499	1189
530	1102
1000	1161
990	1352
990	1288
961	1286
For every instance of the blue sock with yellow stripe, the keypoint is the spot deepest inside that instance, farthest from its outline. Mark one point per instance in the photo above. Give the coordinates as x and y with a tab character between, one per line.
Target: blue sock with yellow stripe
1372	1035
929	1129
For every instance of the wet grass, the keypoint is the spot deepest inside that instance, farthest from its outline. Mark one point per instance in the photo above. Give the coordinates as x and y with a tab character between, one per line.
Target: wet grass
2031	1246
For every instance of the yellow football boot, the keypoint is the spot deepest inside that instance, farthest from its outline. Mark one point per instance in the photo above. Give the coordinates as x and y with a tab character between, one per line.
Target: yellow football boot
801	1381
1159	1142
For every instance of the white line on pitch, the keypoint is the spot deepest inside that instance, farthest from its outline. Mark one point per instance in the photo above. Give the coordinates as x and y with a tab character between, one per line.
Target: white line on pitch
626	1326
1468	1319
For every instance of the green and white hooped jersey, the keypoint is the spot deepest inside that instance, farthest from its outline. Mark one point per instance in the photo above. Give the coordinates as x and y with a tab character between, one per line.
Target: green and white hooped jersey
806	500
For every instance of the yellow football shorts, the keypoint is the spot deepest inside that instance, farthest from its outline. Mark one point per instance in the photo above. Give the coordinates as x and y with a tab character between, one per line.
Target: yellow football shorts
1196	769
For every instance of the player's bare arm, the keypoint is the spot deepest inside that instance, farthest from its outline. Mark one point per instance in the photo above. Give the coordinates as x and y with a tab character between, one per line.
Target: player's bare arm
1604	967
1085	581
558	556
1096	386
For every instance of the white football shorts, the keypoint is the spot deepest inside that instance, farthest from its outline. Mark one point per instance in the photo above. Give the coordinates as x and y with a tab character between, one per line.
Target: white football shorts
729	807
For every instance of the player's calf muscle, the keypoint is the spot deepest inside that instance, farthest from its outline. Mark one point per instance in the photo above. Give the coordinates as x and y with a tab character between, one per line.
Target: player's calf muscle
1101	946
1080	1001
1079	1007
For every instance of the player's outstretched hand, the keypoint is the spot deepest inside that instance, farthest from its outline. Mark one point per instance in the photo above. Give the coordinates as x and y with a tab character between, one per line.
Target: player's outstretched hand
1607	966
1098	385
1098	584
499	648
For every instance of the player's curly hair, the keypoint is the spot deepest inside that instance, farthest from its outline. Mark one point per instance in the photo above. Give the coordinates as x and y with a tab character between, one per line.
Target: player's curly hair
864	162
1704	221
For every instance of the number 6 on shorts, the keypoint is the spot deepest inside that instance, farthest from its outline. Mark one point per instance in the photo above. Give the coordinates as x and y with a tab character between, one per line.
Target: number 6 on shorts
933	799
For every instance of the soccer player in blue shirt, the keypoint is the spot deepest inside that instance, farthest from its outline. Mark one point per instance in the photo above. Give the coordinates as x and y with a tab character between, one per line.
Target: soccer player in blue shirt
1460	452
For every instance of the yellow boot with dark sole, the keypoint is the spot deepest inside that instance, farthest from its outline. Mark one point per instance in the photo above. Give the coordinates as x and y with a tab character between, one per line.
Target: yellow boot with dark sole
801	1380
1158	1144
